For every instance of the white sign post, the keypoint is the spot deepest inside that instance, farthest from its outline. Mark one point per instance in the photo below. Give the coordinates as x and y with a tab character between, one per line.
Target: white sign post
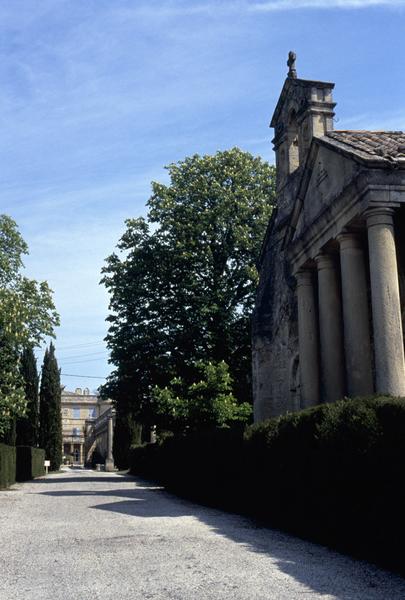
47	464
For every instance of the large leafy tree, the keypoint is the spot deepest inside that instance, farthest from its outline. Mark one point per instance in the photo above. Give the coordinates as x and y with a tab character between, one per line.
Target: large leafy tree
50	409
182	284
28	425
27	315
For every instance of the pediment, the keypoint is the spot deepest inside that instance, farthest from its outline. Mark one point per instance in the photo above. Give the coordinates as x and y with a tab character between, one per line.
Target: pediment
327	173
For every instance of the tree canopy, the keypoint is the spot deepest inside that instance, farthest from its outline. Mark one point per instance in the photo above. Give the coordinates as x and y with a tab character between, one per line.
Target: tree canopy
27	315
183	280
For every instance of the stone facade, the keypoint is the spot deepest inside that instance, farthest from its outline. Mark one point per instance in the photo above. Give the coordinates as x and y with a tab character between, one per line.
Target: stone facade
85	426
331	297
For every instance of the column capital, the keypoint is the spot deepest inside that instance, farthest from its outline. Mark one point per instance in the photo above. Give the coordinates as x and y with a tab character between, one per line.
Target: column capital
305	277
325	261
349	239
379	215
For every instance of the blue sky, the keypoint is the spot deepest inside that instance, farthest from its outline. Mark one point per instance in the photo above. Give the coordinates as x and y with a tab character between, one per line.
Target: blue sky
96	96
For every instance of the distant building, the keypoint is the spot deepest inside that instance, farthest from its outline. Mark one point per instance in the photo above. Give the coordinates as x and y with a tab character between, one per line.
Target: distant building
84	425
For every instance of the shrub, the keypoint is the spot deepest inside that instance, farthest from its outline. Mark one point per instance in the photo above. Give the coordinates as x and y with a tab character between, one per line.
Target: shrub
30	463
7	465
207	403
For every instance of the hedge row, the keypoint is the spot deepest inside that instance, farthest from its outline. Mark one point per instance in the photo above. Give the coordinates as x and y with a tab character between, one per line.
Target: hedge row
20	463
7	465
30	463
204	467
334	473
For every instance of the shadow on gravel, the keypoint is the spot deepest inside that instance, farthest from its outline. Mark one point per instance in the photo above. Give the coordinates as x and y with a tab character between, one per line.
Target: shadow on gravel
322	571
90	479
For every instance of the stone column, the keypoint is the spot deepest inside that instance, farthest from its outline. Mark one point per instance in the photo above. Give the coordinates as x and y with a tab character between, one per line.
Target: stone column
109	461
308	338
330	329
386	305
356	316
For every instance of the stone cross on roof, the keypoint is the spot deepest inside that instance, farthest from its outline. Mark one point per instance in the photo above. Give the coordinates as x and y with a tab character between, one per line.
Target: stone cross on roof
292	57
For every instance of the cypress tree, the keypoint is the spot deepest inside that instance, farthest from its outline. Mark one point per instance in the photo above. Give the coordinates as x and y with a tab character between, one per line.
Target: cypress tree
50	410
28	427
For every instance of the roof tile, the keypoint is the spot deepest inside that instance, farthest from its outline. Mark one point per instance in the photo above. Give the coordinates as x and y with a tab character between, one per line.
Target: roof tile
372	144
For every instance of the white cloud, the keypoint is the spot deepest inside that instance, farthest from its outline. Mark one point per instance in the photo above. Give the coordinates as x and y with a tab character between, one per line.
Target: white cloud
280	5
393	121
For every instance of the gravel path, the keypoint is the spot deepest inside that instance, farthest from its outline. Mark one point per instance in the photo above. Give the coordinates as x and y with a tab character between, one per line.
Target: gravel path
85	536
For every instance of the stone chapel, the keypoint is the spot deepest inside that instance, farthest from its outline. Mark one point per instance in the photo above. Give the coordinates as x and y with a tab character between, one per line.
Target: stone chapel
330	306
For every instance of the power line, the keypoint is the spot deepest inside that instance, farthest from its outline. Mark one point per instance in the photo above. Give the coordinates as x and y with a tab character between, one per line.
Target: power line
79	362
83	355
82	376
74	346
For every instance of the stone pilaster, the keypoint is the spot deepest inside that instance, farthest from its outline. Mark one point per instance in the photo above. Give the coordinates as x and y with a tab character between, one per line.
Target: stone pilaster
386	306
356	316
308	338
330	329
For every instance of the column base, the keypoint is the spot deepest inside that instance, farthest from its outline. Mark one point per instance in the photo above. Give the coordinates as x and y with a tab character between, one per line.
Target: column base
109	465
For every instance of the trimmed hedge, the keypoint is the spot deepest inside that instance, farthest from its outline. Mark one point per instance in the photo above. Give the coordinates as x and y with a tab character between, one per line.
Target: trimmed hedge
203	466
30	463
334	473
7	465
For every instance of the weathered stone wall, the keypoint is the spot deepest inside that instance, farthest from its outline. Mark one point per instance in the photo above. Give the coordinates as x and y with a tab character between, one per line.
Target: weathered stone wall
275	328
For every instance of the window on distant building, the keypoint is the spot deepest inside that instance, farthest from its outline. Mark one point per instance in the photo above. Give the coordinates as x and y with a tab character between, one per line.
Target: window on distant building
92	413
76	413
76	431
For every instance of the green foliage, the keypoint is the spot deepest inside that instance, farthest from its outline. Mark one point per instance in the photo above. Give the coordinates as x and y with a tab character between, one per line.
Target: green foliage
7	465
333	473
27	315
182	285
12	399
30	463
10	436
28	426
127	433
50	409
207	402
